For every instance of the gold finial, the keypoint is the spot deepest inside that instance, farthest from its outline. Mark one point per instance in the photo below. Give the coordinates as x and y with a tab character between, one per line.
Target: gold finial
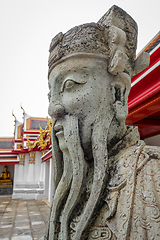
22	109
13	115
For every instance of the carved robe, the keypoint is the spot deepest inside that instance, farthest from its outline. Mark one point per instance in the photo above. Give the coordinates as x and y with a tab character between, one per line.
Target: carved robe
132	205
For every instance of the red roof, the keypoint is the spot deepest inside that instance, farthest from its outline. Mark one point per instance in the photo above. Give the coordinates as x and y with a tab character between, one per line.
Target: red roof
144	98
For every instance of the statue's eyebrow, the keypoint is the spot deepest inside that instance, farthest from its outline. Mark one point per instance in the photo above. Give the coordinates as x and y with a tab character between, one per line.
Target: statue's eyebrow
63	75
77	71
78	74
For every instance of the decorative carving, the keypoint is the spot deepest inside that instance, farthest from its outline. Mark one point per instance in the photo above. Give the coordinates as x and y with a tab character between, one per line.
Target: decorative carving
22	158
31	157
87	38
100	233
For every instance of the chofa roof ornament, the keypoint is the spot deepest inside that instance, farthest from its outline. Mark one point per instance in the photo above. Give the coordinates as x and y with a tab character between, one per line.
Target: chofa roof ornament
113	37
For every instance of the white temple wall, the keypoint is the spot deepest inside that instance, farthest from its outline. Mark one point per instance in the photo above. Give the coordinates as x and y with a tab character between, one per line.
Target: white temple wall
46	183
26	164
37	166
51	181
48	180
15	174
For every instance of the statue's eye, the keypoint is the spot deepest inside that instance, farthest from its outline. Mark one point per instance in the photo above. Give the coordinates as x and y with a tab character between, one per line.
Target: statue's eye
68	85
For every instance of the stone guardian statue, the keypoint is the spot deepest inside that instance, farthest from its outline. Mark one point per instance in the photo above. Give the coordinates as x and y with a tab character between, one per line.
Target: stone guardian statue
106	180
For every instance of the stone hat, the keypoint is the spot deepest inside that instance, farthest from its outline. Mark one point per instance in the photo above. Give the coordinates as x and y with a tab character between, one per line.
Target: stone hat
113	37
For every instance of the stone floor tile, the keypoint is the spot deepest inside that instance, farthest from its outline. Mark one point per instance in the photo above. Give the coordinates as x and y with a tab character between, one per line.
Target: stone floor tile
34	214
37	223
35	218
6	226
22	227
21	232
4	233
22	219
6	221
21	238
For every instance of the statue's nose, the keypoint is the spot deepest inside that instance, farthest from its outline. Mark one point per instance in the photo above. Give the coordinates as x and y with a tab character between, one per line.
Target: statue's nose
55	110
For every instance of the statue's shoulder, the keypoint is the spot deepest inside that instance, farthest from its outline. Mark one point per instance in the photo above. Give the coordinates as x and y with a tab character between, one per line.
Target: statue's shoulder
149	156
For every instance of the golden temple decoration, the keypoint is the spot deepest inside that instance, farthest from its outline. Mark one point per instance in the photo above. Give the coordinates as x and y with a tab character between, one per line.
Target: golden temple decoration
23	124
14	128
22	109
22	158
44	138
32	157
13	116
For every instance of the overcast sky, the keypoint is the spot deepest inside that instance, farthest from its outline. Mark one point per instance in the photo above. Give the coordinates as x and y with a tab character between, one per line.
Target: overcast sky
27	27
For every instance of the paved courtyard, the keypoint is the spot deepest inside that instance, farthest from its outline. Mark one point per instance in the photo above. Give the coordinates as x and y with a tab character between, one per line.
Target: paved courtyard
22	219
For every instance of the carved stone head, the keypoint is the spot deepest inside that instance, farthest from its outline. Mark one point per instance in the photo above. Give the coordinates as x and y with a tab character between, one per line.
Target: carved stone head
89	82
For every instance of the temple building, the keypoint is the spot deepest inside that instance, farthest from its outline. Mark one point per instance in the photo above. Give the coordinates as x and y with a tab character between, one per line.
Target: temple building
28	155
22	156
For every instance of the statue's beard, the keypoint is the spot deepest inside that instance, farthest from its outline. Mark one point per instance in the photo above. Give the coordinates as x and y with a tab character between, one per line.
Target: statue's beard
70	183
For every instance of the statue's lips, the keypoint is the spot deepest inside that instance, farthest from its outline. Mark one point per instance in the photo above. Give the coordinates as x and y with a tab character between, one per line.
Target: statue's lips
58	129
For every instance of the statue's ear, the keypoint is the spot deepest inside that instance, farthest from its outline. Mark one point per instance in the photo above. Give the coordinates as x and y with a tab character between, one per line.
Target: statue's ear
120	91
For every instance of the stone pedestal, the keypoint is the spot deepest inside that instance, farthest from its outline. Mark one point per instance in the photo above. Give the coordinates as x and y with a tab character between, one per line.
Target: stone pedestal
6	187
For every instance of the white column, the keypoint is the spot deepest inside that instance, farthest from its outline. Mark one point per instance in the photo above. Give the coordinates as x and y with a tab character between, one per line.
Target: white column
31	167
42	173
21	167
15	175
51	181
41	181
46	178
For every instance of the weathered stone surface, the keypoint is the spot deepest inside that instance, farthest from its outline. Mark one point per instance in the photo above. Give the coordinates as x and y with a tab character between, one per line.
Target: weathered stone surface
105	177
